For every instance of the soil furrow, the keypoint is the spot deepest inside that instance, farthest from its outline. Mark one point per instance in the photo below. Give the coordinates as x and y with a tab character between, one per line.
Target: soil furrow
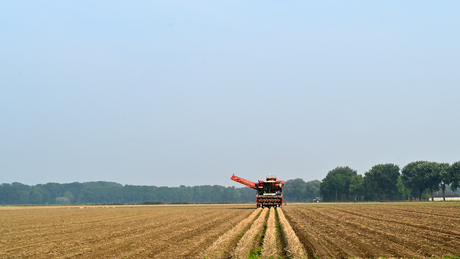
412	238
387	243
197	226
326	230
162	235
356	246
247	242
420	226
134	228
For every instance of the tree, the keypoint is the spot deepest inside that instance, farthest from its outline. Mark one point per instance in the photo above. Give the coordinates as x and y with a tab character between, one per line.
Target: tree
294	190
36	196
69	196
446	178
232	194
404	192
336	184
313	189
339	185
86	196
430	172
454	171
383	179
62	200
414	179
356	186
299	190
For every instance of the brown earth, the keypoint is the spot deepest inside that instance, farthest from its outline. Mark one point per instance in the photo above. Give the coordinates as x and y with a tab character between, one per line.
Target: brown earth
157	231
326	230
373	230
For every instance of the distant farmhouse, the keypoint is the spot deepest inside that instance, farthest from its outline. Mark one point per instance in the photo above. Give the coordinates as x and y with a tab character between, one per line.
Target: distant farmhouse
450	196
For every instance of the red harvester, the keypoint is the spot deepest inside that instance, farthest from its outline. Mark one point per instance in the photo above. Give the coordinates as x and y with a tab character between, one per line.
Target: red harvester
269	192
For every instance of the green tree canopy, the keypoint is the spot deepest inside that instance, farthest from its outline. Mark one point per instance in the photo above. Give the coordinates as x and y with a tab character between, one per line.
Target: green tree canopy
404	192
299	190
336	185
432	172
382	179
414	179
69	195
454	171
356	186
445	178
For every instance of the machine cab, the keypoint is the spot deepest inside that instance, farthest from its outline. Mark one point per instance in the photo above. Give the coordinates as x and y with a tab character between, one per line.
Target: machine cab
269	187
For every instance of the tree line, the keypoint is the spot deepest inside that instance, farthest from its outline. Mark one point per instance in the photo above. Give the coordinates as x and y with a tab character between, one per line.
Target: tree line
297	190
110	193
382	182
390	182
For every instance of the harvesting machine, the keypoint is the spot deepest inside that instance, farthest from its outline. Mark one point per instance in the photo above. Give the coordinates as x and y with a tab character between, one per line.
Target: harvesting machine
269	192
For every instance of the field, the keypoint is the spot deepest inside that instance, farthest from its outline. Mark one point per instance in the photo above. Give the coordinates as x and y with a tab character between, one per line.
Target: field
399	230
363	230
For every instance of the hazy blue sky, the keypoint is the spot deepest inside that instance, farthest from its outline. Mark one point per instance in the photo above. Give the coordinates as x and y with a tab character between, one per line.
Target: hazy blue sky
188	92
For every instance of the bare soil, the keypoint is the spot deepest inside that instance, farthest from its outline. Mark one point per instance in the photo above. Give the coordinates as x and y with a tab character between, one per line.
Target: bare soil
373	230
157	231
326	230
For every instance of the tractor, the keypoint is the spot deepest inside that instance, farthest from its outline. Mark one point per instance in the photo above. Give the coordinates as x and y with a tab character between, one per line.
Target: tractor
269	192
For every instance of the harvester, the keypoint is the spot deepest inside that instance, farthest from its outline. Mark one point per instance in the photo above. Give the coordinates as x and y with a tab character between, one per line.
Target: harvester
269	192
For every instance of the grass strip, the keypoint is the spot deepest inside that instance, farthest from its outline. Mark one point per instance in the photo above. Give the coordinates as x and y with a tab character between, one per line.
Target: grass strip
294	248
246	243
223	244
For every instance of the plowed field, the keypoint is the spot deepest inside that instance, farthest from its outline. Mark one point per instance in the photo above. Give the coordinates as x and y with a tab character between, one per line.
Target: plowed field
372	230
101	232
362	230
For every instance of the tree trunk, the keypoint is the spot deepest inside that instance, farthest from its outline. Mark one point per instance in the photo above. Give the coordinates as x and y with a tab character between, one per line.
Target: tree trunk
431	189
420	196
443	187
336	195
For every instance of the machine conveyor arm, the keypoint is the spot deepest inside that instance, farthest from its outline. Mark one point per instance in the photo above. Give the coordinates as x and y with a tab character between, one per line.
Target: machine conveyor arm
248	183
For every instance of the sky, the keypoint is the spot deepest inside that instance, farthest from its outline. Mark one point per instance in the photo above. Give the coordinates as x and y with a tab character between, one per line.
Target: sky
171	93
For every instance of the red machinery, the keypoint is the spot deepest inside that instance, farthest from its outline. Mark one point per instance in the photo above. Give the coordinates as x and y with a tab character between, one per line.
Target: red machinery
269	192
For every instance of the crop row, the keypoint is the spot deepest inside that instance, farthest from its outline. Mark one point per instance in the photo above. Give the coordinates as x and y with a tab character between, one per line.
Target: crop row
259	236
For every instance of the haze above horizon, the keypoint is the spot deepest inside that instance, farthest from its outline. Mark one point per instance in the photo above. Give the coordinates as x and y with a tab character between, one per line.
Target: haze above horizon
171	93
